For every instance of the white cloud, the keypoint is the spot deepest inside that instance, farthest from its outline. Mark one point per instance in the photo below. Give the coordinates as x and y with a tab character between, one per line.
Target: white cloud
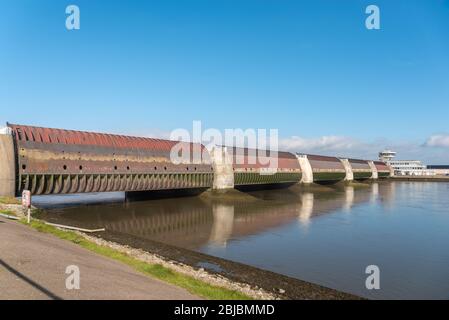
153	133
441	140
350	147
342	146
324	143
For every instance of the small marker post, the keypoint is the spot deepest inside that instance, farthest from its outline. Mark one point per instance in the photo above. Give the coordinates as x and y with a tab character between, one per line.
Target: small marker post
26	203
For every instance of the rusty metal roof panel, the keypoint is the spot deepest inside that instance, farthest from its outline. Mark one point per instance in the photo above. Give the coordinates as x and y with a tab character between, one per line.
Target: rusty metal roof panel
257	158
381	166
49	135
319	162
359	164
322	158
44	153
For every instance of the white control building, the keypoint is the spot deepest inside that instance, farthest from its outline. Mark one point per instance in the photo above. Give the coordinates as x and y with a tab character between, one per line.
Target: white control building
404	167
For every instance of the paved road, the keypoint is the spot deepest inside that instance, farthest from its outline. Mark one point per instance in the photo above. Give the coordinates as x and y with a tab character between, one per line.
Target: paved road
33	265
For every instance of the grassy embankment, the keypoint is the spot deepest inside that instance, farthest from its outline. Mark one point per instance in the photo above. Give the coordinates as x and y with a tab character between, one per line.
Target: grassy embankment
8	212
158	271
9	200
6	201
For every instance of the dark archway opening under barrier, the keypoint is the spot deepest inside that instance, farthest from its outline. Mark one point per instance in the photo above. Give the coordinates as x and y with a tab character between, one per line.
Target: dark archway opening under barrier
162	194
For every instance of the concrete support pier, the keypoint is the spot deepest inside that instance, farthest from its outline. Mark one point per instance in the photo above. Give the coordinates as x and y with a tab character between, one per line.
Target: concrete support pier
306	168
391	171
223	170
7	164
374	170
348	169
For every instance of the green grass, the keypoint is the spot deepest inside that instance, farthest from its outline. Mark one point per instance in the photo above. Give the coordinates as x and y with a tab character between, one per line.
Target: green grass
9	200
8	212
158	271
37	213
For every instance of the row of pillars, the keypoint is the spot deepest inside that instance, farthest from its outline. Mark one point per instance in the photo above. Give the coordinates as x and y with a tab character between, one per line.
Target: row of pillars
224	175
307	172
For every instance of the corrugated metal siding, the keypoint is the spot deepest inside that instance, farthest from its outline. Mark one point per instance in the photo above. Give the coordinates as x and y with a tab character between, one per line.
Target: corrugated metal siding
66	161
72	137
381	166
358	164
318	163
256	159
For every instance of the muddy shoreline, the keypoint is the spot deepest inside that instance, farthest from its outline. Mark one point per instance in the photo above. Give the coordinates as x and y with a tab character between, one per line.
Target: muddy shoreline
280	286
255	282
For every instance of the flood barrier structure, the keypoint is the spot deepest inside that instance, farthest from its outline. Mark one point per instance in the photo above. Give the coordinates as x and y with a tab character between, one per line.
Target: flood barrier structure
360	169
326	169
56	161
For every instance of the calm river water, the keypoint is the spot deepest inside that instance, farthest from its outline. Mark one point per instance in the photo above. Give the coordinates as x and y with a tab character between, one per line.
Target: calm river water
326	235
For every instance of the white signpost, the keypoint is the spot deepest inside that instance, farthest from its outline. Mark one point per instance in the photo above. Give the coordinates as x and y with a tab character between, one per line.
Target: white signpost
26	203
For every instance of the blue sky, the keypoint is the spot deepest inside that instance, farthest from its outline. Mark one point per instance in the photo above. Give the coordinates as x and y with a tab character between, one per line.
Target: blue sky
308	68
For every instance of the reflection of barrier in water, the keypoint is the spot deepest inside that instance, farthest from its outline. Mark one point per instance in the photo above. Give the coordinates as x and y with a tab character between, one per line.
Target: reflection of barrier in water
223	224
387	194
374	192
195	222
306	209
349	198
